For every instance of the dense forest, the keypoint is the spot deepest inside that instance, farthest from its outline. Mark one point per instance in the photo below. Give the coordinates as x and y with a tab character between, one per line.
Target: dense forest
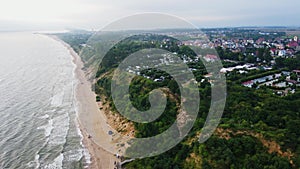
258	129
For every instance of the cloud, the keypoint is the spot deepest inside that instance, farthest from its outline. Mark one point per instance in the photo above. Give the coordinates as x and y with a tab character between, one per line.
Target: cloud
97	13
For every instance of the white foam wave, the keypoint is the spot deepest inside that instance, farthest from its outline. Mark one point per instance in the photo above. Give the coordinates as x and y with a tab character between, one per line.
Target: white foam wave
48	128
35	163
57	163
36	160
60	129
46	116
86	154
87	157
73	155
57	99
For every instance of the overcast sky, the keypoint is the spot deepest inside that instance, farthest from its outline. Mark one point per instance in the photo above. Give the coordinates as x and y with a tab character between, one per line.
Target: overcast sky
94	14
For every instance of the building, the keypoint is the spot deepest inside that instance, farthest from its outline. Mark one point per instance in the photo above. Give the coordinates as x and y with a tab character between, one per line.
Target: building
210	58
298	75
296	38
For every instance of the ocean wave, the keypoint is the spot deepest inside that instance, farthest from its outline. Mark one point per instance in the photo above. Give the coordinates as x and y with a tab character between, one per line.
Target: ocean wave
46	116
73	155
48	128
57	99
60	128
35	163
42	125
56	164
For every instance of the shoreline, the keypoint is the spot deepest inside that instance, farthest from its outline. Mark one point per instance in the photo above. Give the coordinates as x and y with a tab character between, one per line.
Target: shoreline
88	113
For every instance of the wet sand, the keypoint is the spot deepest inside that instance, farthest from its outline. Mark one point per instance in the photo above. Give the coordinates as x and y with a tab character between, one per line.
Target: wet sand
92	121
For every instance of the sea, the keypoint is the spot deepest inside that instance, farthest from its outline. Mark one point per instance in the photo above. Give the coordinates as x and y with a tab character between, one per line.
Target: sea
38	127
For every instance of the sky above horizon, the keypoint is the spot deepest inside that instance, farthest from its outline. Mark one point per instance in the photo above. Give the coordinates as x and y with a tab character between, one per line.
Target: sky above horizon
94	14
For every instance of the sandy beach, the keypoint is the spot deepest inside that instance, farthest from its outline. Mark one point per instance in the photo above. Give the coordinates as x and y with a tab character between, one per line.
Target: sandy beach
92	122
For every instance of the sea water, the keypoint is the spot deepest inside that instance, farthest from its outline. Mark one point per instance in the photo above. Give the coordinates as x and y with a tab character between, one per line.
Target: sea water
38	126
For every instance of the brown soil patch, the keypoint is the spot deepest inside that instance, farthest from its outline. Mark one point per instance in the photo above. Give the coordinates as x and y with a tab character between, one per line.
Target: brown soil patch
117	121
